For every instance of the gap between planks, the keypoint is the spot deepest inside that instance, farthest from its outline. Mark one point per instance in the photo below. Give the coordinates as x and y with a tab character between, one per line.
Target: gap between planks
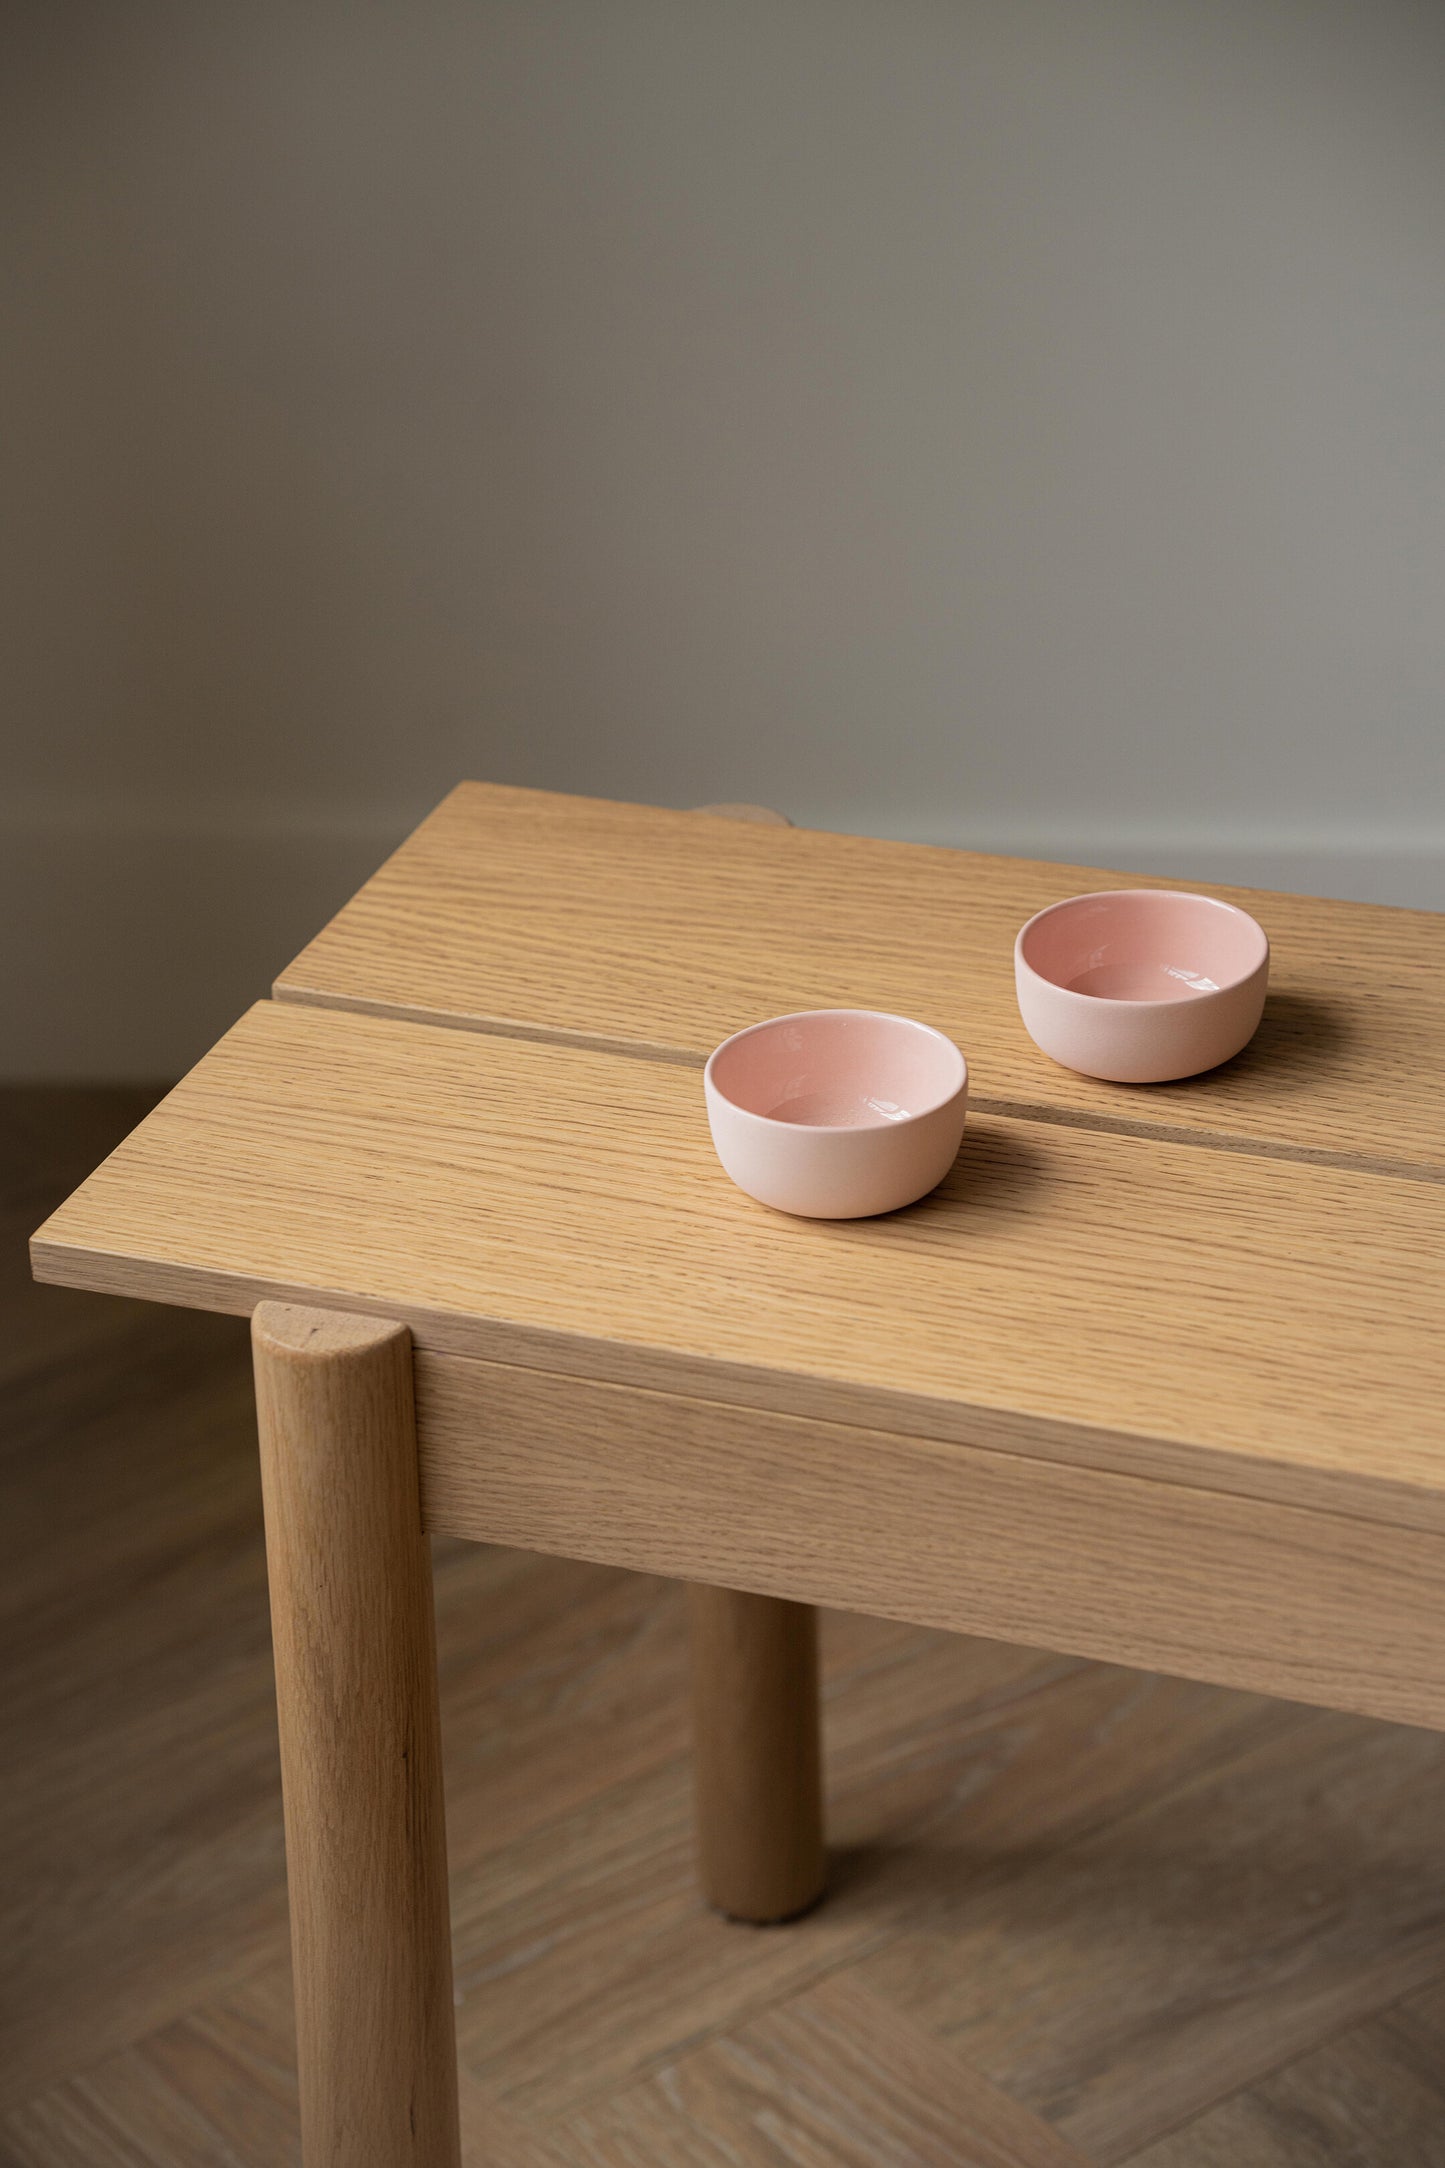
1018	1110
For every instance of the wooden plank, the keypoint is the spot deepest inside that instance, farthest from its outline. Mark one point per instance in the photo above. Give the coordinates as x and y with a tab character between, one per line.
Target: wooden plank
1236	1591
141	1814
217	2089
1240	1323
1374	2097
1254	1915
653	931
1123	1984
224	2075
833	2079
586	1958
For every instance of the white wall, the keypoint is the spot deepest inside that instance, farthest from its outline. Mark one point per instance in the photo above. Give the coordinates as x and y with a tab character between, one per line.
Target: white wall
1019	422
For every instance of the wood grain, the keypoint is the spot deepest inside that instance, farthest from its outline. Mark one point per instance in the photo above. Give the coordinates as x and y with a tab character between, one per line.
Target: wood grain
1122	1984
1228	1322
214	2089
1373	2096
217	2089
651	931
1272	1885
1238	1591
356	1695
139	1820
757	1774
584	1955
833	2079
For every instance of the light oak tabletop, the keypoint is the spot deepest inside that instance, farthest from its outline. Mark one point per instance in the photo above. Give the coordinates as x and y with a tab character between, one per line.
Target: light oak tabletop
1153	1377
1236	1283
1248	1323
661	932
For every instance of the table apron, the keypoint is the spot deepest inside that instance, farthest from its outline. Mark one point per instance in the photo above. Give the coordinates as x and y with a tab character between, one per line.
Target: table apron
1237	1591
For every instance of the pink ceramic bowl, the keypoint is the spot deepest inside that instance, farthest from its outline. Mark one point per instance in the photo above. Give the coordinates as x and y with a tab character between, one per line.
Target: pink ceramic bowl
837	1113
1141	984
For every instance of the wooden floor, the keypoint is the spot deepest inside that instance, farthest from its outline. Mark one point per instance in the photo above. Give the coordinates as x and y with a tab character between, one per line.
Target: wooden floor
1078	1915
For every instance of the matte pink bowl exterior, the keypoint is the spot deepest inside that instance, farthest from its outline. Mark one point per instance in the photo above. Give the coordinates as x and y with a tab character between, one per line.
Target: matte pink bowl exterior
1142	936
856	1062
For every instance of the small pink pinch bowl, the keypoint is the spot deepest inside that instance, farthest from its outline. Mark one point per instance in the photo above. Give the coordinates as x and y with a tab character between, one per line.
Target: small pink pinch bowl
837	1113
1141	985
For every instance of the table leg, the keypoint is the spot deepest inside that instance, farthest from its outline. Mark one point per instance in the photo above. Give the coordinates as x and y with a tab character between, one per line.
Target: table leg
356	1691
757	1760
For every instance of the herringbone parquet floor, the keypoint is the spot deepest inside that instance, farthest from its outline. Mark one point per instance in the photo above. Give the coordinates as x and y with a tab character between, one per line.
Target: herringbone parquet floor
1079	1915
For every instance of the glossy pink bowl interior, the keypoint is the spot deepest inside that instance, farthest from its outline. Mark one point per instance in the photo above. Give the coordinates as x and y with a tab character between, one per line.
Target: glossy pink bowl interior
1143	945
837	1113
838	1069
1141	985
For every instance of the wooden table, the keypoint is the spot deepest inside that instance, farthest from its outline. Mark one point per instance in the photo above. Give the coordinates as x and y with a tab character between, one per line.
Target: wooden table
1156	1376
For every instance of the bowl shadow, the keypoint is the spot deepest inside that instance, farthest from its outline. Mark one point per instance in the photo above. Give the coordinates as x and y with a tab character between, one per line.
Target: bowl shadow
995	1169
1300	1039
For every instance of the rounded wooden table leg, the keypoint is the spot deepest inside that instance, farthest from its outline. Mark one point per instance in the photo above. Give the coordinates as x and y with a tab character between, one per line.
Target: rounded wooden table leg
757	1759
356	1691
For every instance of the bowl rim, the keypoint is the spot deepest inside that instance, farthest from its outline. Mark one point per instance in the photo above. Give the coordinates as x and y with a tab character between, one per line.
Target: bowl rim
1165	1001
836	1129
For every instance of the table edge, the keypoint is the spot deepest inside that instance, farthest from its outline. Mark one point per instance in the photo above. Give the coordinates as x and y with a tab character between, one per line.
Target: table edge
1351	1493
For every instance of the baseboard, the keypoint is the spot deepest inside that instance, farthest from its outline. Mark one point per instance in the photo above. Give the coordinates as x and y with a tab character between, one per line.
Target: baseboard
133	944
